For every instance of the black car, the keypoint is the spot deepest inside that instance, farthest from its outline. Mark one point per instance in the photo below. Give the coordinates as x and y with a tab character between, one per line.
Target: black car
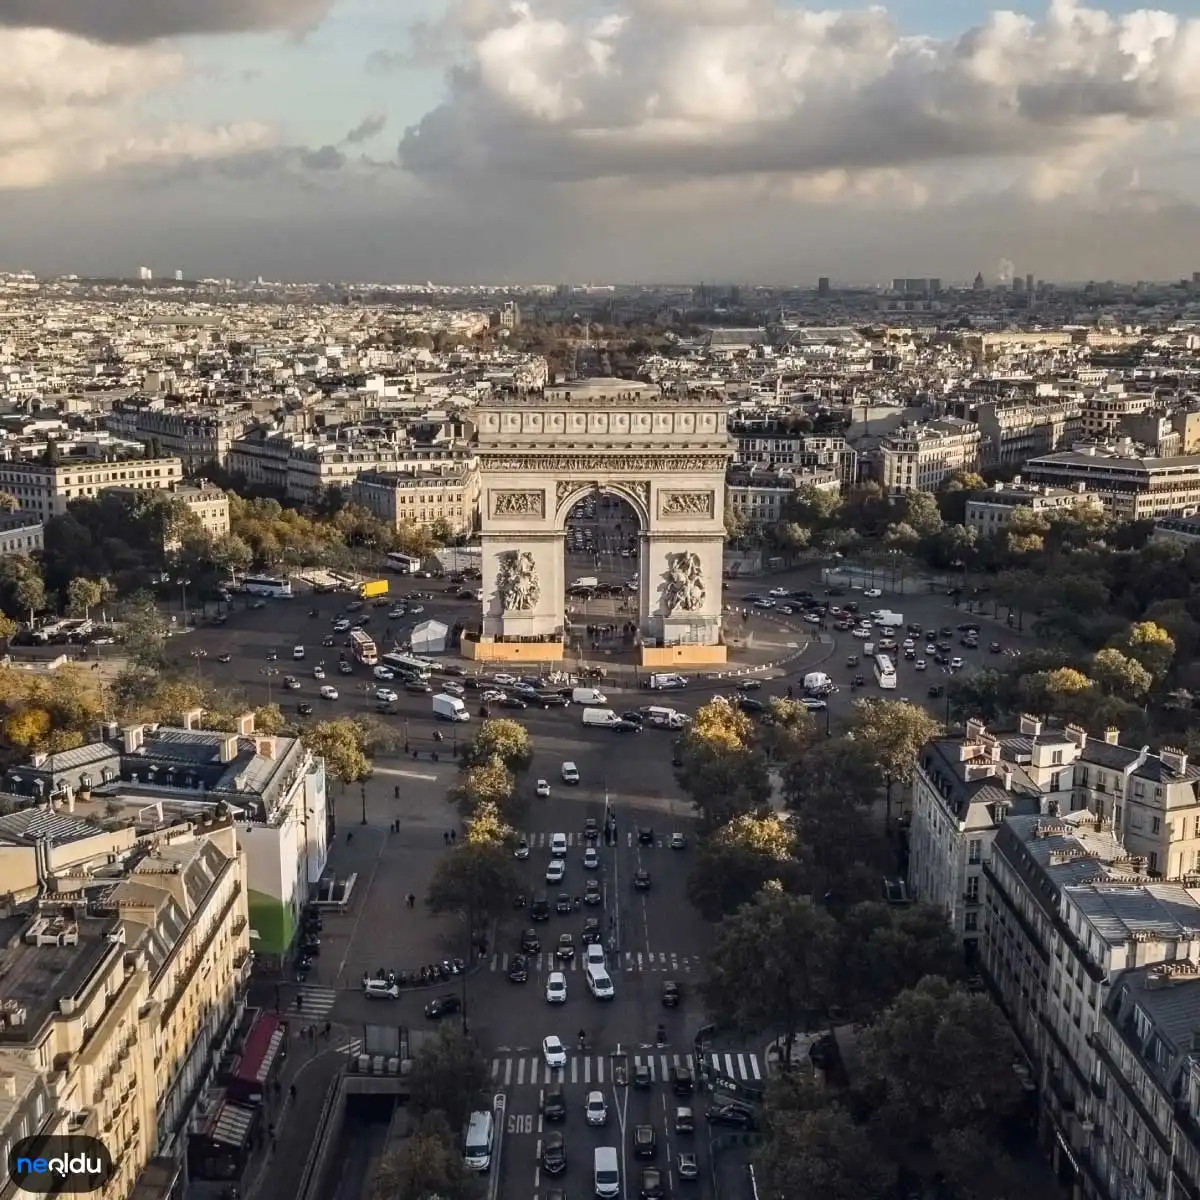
645	1141
683	1083
625	727
563	903
539	910
671	994
749	685
530	942
645	835
641	879
552	700
936	692
554	1105
443	1006
995	648
591	892
749	705
736	1116
591	829
591	934
554	1153
418	689
518	969
511	702
652	1184
633	717
304	709
641	1076
327	640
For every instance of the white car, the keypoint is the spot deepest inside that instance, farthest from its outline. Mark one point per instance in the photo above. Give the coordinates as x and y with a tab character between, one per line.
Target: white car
909	644
394	614
570	773
930	649
454	689
543	789
384	673
860	633
813	618
341	625
956	664
297	652
920	665
555	870
556	988
872	594
522	850
764	603
591	858
492	695
329	693
318	672
595	1109
812	704
386	695
780	591
417	608
558	845
505	680
554	1052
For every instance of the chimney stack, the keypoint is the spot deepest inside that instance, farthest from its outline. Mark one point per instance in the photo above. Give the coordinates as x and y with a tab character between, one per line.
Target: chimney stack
1030	725
1112	735
245	725
1078	735
1174	759
975	728
229	747
192	718
135	735
264	747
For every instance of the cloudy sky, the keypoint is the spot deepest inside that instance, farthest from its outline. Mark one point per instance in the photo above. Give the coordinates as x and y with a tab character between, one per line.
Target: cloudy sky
567	140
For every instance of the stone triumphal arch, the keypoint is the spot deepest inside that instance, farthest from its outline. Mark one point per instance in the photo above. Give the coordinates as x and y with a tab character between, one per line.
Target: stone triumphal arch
664	454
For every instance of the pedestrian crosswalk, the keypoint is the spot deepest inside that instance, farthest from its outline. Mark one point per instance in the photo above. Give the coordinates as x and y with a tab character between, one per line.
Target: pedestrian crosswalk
631	961
315	1003
540	840
597	1069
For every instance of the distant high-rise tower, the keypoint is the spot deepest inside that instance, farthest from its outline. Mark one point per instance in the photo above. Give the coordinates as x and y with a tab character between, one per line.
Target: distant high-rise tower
178	275
144	274
1018	285
823	286
1029	283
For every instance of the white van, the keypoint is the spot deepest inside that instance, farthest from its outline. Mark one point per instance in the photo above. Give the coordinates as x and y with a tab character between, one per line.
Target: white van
606	1174
594	956
599	983
477	1145
869	649
663	718
599	716
583	695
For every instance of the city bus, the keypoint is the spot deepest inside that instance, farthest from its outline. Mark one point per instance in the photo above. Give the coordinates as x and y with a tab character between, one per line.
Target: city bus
409	664
403	564
885	672
267	585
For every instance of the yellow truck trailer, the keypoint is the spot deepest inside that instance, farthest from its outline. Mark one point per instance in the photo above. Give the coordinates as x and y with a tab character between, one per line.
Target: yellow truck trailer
373	587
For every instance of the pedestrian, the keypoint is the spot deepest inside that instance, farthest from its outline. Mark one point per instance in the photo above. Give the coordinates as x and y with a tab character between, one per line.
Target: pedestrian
445	839
278	1087
410	899
292	1092
328	1029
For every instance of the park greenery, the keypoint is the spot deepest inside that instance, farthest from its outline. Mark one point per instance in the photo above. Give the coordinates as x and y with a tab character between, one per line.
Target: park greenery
789	867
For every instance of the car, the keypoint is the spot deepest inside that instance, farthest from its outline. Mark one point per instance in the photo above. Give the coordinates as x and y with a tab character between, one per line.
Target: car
555	870
386	695
645	1141
341	625
570	773
443	1006
522	850
554	1153
683	1082
859	632
641	880
641	1075
736	1116
291	683
386	674
558	845
318	672
539	910
542	790
645	835
920	665
530	942
509	702
686	1166
956	664
394	614
748	704
328	692
779	591
345	668
272	656
591	934
685	1119
553	1051
556	986
453	689
672	993
750	685
633	717
554	1105
678	842
416	688
591	892
552	700
936	692
591	859
224	658
651	1184
872	594
562	904
504	680
591	829
518	969
812	704
417	608
595	1110
491	696
565	951
304	710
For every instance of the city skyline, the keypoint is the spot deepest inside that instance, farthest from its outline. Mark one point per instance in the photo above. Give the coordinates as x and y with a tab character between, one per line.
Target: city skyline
744	140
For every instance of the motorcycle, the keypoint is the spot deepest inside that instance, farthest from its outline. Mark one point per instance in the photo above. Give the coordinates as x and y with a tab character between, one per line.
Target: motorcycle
459	965
448	968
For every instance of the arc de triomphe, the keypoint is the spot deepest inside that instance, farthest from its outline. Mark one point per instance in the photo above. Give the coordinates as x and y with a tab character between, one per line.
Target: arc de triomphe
666	455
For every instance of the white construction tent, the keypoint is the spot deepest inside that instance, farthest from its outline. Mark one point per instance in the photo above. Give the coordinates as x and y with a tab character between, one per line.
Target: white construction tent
429	638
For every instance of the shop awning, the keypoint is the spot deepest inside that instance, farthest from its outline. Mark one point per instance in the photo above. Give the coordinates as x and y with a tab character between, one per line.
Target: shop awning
263	1043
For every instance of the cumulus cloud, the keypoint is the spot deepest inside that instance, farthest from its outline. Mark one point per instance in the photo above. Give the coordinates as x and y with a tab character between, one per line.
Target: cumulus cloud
703	90
131	21
371	126
70	108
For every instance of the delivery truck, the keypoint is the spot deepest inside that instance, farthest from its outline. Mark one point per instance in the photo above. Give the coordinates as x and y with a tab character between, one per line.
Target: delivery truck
600	716
885	618
373	587
586	581
587	695
666	681
450	708
663	718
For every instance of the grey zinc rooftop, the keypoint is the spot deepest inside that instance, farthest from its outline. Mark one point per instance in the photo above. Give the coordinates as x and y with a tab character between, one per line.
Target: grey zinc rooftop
31	824
1119	912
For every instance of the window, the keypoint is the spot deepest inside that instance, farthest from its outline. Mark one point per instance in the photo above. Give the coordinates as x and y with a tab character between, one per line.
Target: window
973	889
1056	758
971	924
1155	824
975	851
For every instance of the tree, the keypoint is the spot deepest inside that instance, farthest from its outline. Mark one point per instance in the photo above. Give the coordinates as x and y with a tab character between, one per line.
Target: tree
738	860
485	825
479	880
823	1153
954	492
1149	644
504	739
489	782
83	595
772	966
28	728
787	728
8	627
735	524
722	769
1056	691
449	1074
30	595
921	513
892	733
427	1165
339	743
144	631
231	553
929	1063
1120	675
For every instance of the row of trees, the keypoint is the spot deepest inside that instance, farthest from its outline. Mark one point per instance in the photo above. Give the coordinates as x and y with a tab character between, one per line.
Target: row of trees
789	866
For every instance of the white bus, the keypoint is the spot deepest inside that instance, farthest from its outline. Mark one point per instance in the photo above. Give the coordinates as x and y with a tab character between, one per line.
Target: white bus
403	564
885	672
267	585
408	663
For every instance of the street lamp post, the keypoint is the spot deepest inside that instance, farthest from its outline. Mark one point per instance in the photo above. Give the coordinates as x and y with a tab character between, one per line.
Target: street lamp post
183	599
268	673
362	790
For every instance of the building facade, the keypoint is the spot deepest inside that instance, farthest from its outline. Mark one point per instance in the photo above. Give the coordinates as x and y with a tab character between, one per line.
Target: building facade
1129	488
45	491
1014	430
920	458
197	437
20	533
208	504
993	510
449	495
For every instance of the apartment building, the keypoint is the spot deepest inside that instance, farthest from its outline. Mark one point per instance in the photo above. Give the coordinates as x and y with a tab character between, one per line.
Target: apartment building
20	533
197	436
45	491
450	495
1185	530
207	503
919	458
1014	430
760	499
771	444
1129	488
1104	411
273	786
119	989
992	510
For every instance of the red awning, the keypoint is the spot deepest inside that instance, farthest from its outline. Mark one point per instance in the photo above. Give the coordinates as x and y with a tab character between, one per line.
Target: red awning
262	1045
